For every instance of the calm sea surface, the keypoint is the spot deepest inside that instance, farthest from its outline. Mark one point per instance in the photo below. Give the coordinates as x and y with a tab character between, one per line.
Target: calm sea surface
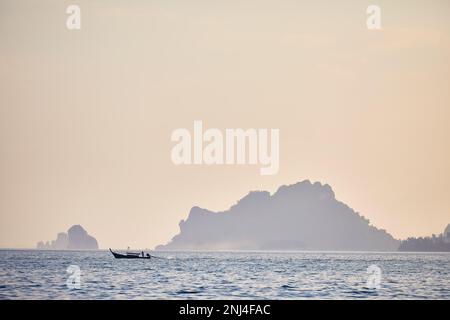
225	275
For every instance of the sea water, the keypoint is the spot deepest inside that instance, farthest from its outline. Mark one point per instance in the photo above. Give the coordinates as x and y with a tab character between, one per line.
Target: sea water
32	274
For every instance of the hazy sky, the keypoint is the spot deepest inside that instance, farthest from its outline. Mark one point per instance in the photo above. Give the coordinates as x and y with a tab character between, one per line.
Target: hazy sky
86	116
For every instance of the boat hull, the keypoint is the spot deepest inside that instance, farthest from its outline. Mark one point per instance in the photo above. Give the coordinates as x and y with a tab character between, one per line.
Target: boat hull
125	256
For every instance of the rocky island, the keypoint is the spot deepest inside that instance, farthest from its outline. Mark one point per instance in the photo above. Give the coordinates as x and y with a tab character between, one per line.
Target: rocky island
76	238
302	216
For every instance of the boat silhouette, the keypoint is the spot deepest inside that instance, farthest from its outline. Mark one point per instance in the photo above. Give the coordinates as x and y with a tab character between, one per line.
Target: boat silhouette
130	255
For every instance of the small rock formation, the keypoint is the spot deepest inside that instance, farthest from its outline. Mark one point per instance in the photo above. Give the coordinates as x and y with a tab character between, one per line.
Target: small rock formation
76	238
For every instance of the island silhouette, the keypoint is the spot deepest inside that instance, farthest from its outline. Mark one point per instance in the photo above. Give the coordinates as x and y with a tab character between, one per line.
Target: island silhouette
301	216
76	238
435	243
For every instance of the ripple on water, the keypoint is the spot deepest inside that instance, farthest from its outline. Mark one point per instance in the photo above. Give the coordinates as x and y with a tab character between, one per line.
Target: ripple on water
239	275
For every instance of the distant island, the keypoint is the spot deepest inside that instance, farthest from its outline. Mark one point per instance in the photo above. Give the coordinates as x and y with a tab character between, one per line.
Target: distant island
76	238
302	216
440	243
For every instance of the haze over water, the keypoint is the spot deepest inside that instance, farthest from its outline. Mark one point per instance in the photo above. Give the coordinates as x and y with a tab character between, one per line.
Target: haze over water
29	274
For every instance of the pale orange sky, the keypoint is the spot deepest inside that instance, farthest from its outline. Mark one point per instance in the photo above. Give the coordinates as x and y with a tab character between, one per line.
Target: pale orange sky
86	116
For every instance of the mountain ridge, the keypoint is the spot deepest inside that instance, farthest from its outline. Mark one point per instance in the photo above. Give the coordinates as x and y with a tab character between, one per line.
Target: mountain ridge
300	216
